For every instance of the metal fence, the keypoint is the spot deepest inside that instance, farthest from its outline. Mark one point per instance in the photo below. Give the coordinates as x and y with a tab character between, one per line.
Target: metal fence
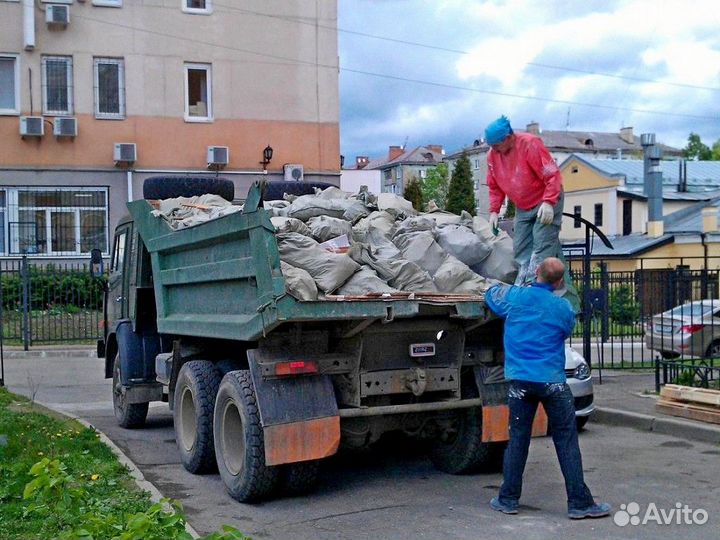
42	303
631	322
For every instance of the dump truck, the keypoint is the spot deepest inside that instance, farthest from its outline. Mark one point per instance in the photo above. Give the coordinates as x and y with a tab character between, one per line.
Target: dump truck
262	386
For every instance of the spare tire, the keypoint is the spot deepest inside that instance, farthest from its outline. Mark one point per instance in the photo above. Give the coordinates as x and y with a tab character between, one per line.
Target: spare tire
274	190
167	187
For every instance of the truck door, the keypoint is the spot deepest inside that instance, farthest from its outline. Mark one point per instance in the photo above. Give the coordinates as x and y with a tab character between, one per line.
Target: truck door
118	278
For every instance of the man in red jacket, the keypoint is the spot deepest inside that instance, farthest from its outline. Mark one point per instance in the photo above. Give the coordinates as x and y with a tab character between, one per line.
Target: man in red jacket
521	169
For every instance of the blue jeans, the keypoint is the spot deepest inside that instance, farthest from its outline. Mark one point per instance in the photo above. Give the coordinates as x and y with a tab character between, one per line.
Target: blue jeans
523	399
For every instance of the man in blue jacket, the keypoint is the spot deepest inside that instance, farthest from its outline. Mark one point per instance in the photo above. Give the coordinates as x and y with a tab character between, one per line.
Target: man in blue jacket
537	323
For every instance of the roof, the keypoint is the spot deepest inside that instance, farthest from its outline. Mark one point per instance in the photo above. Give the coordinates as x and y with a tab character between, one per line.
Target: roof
701	175
689	220
421	155
624	246
595	141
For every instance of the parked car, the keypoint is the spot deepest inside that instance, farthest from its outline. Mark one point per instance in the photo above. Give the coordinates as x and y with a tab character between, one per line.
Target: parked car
579	380
692	329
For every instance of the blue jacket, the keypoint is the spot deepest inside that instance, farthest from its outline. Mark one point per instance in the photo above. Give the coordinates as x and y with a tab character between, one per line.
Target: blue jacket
537	323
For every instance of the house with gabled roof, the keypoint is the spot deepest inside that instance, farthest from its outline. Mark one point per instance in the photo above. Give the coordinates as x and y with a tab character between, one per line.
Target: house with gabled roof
611	194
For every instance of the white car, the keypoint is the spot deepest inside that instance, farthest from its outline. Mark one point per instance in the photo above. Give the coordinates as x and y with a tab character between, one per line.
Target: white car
579	380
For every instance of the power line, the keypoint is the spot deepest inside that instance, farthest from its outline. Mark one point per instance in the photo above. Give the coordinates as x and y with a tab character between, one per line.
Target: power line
315	64
463	52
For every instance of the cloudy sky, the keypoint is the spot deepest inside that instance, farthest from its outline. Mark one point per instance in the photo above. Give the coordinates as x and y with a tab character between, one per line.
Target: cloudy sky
436	72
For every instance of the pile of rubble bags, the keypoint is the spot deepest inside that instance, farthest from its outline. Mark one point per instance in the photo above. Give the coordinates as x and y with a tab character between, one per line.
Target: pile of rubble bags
335	244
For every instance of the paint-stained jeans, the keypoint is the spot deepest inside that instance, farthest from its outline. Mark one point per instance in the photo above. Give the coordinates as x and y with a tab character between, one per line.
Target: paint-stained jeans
523	399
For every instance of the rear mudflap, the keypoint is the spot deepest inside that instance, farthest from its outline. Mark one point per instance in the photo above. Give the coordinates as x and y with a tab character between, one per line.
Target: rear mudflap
299	413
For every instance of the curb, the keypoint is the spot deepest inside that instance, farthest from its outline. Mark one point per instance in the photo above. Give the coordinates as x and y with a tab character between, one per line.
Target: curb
50	353
137	475
666	426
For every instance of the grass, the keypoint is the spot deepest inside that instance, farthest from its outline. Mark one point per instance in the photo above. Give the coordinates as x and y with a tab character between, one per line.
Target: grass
58	480
30	434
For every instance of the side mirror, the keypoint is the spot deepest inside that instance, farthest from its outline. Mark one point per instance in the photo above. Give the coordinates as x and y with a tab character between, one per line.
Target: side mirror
97	267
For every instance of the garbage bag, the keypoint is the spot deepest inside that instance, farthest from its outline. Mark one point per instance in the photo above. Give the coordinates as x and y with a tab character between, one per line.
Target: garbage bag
399	273
395	204
299	283
365	281
325	227
288	224
462	243
500	264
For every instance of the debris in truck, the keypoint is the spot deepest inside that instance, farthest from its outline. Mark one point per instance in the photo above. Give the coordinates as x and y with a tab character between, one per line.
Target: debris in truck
183	212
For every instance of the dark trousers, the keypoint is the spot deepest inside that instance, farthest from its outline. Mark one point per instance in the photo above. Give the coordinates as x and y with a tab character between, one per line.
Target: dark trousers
523	399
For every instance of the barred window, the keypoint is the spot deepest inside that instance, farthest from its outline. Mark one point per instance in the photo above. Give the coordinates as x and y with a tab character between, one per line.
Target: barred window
57	222
109	88
57	85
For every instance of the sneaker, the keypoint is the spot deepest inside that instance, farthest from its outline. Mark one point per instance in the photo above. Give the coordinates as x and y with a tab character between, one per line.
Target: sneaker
592	511
495	504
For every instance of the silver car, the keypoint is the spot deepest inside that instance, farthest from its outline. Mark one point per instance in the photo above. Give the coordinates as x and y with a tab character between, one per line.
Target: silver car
580	382
692	329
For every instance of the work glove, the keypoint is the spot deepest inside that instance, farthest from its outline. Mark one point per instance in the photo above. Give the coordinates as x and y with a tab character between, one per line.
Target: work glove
546	213
494	222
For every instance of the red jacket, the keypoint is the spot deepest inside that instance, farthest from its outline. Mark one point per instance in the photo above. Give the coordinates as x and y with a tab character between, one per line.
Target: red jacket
527	174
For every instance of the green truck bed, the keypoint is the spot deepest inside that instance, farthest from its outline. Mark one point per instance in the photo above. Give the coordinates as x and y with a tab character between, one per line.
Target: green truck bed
222	279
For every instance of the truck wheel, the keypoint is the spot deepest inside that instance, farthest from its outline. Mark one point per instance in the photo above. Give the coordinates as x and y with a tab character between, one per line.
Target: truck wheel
239	442
461	450
128	415
299	478
166	187
194	402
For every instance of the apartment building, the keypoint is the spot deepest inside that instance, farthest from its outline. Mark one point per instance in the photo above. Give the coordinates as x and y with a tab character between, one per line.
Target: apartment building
97	95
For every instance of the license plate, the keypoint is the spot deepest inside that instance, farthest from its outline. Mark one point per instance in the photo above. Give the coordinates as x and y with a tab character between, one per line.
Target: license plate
422	349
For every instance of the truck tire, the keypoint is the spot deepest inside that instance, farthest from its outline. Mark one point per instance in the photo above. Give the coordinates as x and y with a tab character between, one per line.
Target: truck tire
299	478
462	451
128	415
239	442
166	187
274	191
194	403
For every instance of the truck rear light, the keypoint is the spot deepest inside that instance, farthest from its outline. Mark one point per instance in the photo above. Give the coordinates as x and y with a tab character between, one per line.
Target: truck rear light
295	367
691	328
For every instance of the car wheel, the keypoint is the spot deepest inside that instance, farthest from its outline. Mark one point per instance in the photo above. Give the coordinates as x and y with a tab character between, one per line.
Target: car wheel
128	415
669	355
167	187
193	406
239	440
713	350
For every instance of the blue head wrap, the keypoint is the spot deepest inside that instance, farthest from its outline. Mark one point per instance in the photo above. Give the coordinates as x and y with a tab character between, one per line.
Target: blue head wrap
497	131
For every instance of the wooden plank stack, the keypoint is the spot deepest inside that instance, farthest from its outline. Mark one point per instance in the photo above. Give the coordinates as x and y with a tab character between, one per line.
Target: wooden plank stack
700	404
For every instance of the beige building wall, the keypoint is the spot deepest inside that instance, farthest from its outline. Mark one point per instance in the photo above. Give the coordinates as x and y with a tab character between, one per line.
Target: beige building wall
274	81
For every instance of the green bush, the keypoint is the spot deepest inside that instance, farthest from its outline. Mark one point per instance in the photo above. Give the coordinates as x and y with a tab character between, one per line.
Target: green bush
51	287
623	307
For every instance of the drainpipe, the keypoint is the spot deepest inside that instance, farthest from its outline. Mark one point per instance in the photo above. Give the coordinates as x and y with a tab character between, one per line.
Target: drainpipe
129	175
28	25
653	185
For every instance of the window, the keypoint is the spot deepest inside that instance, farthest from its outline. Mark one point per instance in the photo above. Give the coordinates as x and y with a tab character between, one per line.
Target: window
9	84
577	212
423	173
599	214
57	222
197	6
398	173
107	3
118	257
627	217
476	163
109	88
198	93
57	83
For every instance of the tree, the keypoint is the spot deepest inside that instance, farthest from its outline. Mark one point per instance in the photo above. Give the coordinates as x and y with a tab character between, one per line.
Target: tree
716	151
696	149
413	193
461	193
435	185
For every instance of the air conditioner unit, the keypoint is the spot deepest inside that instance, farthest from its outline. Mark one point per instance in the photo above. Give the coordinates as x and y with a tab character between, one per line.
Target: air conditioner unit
57	14
32	126
125	152
65	127
218	156
293	172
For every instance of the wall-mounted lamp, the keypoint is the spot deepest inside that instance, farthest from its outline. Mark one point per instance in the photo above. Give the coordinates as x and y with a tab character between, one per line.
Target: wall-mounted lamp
267	156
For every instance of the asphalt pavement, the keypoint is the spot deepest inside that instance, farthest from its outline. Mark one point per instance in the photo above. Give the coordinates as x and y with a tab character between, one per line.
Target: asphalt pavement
631	454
